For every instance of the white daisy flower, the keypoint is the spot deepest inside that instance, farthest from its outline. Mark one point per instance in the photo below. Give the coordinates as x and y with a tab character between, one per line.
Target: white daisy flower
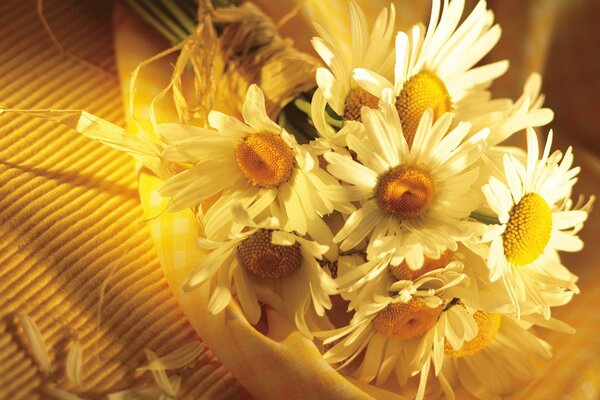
401	334
362	281
527	111
435	69
264	264
496	361
535	221
416	201
256	163
496	297
336	87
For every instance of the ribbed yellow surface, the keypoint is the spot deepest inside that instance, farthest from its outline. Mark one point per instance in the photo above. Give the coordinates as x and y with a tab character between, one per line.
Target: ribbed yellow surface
70	214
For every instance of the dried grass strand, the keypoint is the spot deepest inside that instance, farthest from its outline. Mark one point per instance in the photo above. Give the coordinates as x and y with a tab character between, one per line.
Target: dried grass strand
61	48
290	14
134	77
253	52
59	394
103	131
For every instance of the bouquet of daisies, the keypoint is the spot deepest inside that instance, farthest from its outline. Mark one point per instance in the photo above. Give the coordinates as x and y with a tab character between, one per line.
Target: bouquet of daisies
404	209
368	196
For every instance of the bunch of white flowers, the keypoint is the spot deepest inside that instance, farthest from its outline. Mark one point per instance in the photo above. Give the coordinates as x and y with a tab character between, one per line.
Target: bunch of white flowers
404	209
395	203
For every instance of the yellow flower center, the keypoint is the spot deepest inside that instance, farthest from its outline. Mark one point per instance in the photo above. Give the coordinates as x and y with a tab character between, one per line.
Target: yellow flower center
403	271
487	327
528	230
357	98
267	260
406	320
405	191
265	160
422	91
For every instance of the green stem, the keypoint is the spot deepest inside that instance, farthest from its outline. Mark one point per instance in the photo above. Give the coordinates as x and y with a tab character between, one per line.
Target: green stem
302	105
224	3
173	19
180	16
484	218
336	123
332	118
166	19
299	132
160	25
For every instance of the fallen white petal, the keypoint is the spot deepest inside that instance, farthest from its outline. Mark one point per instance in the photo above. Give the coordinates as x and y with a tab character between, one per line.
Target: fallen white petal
38	347
74	362
179	358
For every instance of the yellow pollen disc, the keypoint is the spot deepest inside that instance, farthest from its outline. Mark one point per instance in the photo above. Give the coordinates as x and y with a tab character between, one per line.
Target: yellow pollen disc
528	230
487	327
267	260
265	160
406	320
403	271
422	91
357	98
405	191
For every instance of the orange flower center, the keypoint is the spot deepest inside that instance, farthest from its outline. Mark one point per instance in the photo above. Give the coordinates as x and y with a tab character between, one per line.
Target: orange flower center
404	191
357	99
406	320
267	260
265	160
404	272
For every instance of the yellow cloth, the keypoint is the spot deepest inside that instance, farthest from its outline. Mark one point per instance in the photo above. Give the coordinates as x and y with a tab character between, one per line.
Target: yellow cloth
70	214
